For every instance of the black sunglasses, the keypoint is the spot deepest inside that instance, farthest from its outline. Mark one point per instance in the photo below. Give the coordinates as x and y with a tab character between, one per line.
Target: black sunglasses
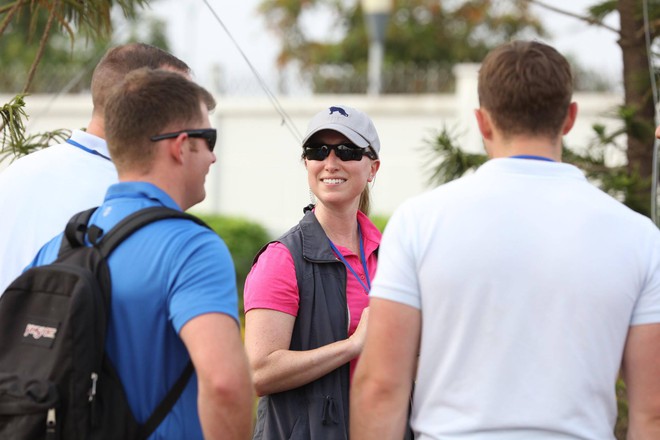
208	134
345	151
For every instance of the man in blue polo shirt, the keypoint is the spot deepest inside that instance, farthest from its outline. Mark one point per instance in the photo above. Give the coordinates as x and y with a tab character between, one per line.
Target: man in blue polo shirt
173	284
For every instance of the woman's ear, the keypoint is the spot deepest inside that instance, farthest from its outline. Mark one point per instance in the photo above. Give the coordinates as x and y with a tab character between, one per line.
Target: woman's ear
375	165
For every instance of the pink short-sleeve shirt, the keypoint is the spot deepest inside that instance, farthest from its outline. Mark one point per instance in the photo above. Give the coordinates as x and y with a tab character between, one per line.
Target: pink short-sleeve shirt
271	284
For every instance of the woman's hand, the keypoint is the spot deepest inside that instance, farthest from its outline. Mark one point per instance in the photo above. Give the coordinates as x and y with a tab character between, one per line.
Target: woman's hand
360	333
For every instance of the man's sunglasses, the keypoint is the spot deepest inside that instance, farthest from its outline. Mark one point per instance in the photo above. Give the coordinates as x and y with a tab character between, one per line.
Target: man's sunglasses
345	151
208	134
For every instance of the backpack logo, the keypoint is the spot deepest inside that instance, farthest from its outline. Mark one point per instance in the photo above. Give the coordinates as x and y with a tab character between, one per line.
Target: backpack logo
39	331
339	110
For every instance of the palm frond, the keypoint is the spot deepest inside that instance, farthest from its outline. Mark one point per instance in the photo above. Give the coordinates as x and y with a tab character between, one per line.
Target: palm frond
447	161
601	10
33	143
93	17
13	118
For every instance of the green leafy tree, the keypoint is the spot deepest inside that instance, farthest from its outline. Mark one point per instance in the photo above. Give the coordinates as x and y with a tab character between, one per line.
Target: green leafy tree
637	111
431	36
423	35
243	238
65	66
65	39
632	182
45	18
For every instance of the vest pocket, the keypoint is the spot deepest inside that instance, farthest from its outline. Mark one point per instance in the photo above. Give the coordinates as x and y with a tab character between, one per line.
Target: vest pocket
28	408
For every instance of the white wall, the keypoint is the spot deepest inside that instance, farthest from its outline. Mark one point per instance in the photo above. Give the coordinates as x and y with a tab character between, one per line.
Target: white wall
259	175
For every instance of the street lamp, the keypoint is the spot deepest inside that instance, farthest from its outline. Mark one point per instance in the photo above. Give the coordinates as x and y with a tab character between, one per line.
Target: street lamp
376	14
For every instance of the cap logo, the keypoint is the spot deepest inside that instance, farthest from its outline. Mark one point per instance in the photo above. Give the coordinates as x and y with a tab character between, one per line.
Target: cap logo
339	110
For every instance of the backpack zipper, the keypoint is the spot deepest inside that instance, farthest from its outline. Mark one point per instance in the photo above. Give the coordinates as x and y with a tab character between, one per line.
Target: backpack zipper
51	428
92	390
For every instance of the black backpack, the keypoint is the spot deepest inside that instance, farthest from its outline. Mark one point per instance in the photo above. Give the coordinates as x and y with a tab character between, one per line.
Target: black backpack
56	381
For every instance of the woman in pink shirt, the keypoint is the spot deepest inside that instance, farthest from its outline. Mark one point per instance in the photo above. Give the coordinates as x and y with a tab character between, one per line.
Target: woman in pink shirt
306	297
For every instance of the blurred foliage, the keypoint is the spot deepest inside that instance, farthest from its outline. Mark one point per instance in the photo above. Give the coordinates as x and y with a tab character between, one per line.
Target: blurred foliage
446	161
244	238
420	31
64	39
424	35
621	427
380	221
35	29
12	117
631	182
425	38
91	18
618	181
636	34
66	65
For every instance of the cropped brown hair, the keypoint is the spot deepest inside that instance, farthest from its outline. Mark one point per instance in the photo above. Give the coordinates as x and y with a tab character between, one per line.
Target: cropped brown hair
120	60
147	103
526	86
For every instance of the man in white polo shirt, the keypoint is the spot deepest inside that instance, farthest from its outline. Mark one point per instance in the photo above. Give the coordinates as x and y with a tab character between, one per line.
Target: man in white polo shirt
41	191
513	296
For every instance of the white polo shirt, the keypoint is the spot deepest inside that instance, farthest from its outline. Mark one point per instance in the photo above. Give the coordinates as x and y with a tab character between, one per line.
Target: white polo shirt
527	278
41	191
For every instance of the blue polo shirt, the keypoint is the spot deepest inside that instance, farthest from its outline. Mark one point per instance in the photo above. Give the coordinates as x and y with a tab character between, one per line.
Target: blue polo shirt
164	275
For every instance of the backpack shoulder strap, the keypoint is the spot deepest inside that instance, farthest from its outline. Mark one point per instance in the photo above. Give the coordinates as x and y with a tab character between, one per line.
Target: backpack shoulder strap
165	406
112	239
137	220
75	230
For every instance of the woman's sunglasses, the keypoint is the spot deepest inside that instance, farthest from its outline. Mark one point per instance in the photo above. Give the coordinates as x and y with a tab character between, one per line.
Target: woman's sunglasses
344	152
208	134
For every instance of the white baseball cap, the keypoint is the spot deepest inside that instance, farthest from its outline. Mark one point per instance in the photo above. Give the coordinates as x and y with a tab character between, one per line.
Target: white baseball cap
352	123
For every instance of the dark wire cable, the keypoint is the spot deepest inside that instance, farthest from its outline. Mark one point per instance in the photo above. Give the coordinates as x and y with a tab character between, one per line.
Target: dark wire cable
286	120
654	89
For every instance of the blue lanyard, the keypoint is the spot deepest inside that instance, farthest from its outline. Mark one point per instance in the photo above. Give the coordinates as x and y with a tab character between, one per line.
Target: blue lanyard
366	287
531	156
88	150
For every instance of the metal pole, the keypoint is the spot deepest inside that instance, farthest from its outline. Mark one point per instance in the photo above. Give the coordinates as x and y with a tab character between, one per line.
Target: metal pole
376	26
375	68
654	186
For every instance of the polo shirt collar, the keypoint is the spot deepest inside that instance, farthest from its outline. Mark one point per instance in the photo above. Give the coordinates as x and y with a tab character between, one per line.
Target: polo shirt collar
534	168
370	233
141	190
90	141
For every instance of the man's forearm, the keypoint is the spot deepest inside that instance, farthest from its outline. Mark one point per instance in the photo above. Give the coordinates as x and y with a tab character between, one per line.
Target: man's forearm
377	413
383	379
226	415
643	427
